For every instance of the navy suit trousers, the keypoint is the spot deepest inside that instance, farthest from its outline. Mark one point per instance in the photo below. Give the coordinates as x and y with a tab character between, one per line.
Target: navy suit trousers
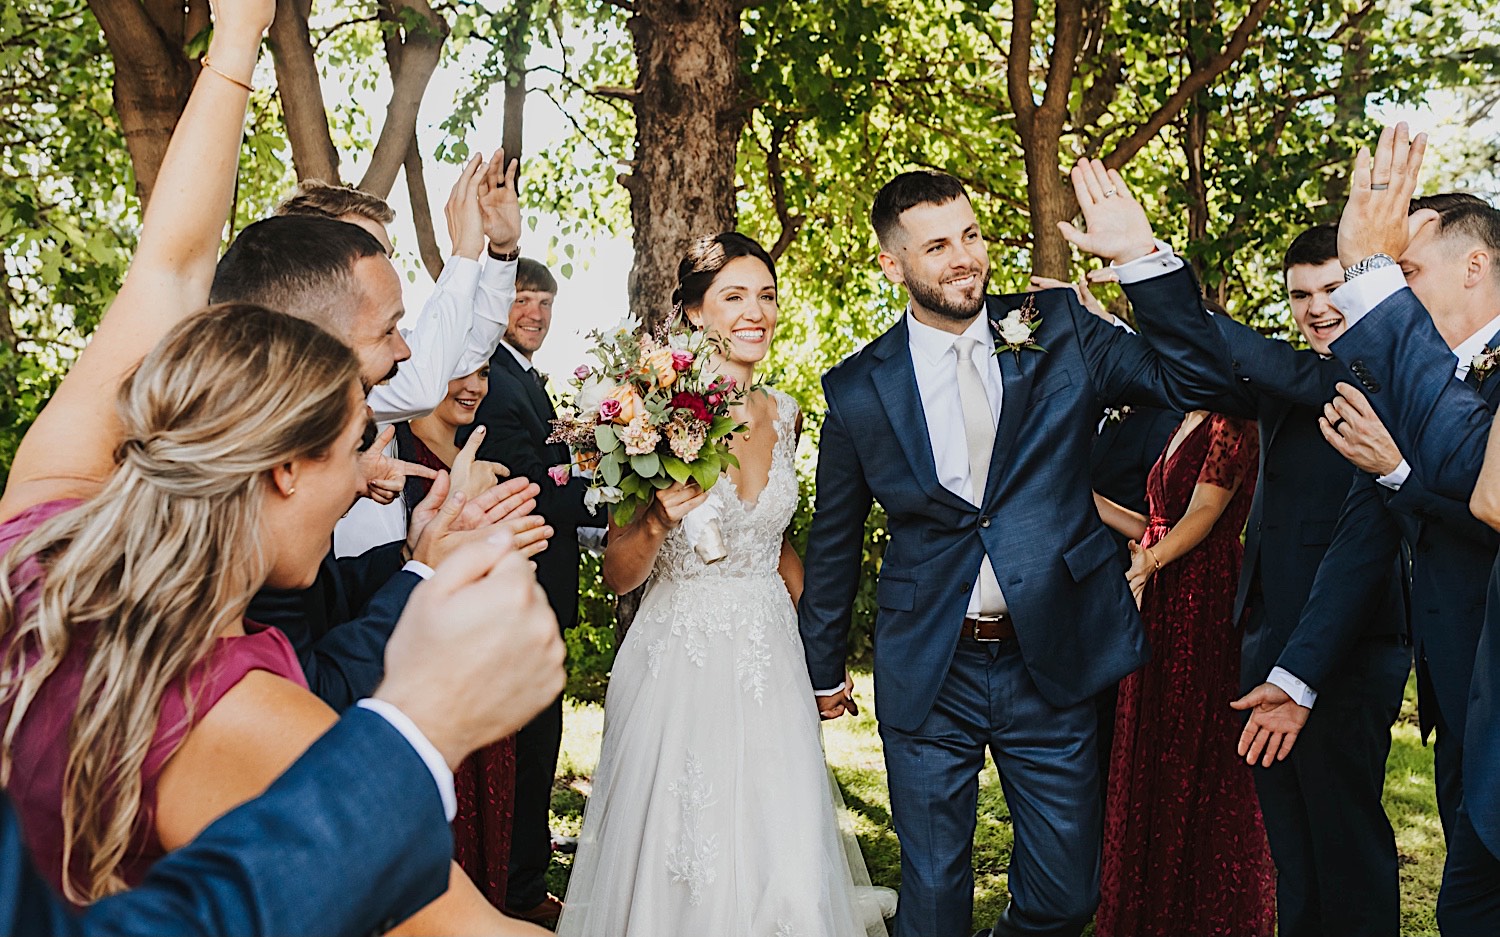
1048	766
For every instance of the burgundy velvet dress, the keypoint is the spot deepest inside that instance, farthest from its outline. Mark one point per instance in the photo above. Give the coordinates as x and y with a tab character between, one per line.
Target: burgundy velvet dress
486	787
1185	852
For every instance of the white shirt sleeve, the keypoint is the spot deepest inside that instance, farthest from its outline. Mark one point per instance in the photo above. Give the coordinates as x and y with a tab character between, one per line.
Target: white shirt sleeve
492	301
441	776
1356	298
1162	260
836	690
437	342
1397	478
1301	693
421	569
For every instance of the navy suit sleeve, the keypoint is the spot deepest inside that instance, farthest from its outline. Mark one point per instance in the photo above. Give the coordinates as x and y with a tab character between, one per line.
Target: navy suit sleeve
363	575
1417	500
351	840
347	664
1357	566
835	545
1439	423
1185	366
1273	367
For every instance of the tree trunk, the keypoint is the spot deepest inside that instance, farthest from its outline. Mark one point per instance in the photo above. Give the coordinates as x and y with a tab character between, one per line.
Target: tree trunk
689	112
423	32
313	154
515	47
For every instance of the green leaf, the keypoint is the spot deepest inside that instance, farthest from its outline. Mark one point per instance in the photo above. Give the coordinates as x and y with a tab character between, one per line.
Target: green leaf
676	468
606	438
720	426
645	465
705	472
611	468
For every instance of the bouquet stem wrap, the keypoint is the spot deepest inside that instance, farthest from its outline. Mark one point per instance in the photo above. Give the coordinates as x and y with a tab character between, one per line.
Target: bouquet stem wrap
705	533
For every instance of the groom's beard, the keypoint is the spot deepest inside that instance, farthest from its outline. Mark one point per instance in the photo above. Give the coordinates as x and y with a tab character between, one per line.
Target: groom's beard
931	296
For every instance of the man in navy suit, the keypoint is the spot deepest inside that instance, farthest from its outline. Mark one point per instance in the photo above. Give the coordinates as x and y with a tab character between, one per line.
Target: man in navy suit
1441	425
354	836
1003	604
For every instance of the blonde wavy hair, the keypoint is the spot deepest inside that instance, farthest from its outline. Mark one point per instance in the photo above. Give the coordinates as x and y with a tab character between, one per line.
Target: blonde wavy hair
167	556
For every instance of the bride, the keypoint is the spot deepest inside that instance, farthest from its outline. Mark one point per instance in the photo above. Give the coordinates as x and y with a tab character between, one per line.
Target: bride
713	811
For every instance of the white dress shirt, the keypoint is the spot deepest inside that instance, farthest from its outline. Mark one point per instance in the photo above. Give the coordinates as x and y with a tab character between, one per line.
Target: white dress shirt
457	332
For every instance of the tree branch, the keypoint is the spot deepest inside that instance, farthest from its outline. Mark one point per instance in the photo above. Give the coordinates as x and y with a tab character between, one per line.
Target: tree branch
1018	68
1067	31
297	82
421	48
1190	86
790	223
421	210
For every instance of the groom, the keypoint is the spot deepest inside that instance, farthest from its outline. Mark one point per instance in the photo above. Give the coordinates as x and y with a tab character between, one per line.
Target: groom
1003	604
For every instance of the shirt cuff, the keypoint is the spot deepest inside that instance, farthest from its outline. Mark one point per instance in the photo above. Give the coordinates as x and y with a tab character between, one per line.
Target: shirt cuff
498	274
1356	298
421	569
833	692
1397	478
460	274
1301	693
1160	261
441	776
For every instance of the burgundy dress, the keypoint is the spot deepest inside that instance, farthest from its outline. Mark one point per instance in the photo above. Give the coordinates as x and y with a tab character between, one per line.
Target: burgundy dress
485	783
1185	853
40	747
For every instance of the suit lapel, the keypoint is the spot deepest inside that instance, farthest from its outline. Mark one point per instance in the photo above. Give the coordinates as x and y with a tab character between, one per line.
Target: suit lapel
896	384
1017	372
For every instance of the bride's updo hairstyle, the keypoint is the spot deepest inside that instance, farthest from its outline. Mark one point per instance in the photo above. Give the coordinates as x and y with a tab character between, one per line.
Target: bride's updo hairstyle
705	257
165	558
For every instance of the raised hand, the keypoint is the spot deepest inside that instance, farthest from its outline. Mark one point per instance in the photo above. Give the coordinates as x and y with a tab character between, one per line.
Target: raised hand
1352	427
477	652
1273	725
1376	218
1080	289
382	476
1118	229
500	204
465	221
242	18
473	475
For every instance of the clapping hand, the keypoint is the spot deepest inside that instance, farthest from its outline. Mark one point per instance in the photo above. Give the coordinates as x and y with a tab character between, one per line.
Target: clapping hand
462	212
445	521
1352	428
383	476
1273	725
1376	218
500	204
472	475
1118	229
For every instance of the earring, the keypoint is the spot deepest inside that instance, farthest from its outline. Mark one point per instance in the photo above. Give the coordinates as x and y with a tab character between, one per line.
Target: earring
291	491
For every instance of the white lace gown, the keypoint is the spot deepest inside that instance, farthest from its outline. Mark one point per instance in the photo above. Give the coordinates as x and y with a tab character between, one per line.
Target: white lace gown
712	811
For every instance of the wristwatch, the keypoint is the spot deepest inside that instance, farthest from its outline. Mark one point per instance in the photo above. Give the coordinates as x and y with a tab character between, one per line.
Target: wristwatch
509	255
1372	262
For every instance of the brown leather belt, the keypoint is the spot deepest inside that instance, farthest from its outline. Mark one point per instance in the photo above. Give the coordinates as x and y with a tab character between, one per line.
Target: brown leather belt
988	628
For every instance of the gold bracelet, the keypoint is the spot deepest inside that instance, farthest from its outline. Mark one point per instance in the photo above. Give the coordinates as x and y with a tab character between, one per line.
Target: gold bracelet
224	75
1152	554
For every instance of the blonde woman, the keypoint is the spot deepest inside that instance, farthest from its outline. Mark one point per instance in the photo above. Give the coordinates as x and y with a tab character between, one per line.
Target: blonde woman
156	493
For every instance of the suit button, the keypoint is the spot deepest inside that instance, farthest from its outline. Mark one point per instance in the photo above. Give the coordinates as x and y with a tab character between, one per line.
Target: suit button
984	522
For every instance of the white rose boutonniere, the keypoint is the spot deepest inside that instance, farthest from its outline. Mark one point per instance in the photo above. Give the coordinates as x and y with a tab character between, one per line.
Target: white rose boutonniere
1484	363
1015	330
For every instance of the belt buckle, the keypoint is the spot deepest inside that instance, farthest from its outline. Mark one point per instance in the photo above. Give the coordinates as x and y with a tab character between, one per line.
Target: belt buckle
983	620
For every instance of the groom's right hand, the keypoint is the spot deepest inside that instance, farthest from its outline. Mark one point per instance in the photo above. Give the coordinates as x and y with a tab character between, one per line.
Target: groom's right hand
836	704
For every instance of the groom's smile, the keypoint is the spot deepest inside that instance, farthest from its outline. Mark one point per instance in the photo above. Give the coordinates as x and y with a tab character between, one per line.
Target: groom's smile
940	257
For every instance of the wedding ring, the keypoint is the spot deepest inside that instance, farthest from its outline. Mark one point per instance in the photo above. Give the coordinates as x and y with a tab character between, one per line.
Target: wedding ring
1337	423
1379	186
1109	193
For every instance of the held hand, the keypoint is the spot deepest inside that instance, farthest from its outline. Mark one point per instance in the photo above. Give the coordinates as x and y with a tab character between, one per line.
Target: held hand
1080	289
676	502
832	707
383	476
477	652
462	212
1273	725
1375	219
500	204
1118	229
1142	568
1352	427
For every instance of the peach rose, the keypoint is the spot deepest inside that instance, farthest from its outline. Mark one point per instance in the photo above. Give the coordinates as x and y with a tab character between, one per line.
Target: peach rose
630	403
660	361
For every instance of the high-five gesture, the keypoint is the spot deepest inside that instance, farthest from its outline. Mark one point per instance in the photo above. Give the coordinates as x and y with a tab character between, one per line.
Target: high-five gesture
242	17
465	220
499	202
1118	229
1376	219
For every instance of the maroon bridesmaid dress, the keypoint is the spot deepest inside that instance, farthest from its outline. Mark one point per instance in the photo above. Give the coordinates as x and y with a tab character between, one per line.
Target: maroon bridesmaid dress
486	787
1185	853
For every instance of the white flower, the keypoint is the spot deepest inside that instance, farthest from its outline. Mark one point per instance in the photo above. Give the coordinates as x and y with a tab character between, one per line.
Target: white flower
1013	331
606	494
593	390
626	326
679	341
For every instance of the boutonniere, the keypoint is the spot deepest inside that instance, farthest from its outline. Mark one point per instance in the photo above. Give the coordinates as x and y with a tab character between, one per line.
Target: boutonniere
1117	414
1484	363
1013	333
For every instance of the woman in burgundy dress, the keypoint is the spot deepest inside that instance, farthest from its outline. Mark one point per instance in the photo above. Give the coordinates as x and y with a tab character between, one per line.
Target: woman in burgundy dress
486	781
1185	853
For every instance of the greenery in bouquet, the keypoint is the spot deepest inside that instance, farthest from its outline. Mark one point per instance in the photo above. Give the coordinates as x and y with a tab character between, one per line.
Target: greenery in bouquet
650	413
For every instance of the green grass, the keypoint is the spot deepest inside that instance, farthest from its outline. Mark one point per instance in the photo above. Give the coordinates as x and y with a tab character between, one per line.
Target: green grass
854	750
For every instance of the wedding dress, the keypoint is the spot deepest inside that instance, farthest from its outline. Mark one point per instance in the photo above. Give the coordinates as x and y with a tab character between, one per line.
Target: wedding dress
712	812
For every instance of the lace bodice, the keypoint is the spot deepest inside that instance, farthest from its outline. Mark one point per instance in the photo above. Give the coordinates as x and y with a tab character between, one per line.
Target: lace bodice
752	532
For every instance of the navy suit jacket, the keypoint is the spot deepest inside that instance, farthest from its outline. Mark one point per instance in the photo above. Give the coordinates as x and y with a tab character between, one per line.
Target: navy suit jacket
1076	622
1297	508
352	839
1441	425
339	626
516	415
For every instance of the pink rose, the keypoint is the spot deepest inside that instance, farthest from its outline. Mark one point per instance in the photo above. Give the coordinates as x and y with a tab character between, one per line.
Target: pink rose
559	475
582	372
609	409
713	399
682	360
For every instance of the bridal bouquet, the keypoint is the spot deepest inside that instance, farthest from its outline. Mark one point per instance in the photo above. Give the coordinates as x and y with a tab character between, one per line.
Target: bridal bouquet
648	415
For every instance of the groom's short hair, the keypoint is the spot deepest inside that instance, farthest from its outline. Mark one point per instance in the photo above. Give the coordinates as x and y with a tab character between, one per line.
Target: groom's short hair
908	190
